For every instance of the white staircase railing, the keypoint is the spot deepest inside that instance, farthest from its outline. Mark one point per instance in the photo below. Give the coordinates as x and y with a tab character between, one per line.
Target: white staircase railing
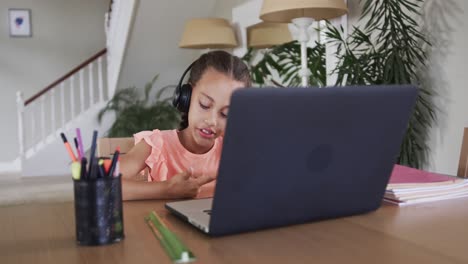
118	23
73	100
44	115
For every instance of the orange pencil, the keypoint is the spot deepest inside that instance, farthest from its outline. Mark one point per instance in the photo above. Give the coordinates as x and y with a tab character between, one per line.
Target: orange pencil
68	147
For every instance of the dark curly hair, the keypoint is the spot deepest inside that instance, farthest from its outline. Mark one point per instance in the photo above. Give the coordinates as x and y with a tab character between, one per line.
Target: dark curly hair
222	62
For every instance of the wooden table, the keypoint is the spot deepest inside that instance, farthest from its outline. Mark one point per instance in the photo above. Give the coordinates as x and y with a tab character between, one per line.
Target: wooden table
430	233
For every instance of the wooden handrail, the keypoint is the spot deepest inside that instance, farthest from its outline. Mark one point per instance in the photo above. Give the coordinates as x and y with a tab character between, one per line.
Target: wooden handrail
70	73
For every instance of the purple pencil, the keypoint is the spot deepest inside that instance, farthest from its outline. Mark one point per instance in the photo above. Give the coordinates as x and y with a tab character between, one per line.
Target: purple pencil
80	141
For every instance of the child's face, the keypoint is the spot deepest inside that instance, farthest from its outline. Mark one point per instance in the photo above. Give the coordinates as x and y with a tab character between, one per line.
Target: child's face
209	107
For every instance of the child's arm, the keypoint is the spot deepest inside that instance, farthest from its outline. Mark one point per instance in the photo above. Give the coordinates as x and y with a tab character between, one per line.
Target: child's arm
133	162
179	186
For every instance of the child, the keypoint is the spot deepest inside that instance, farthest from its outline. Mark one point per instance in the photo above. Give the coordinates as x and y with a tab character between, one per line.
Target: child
183	163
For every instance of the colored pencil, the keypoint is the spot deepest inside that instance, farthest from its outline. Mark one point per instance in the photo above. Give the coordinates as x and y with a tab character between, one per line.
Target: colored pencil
78	152
92	171
83	168
115	159
68	147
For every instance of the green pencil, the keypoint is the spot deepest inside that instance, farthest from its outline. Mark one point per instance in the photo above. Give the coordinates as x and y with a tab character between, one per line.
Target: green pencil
176	250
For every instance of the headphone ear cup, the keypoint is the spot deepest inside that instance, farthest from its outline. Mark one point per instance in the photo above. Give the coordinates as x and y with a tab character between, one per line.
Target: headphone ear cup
175	99
185	95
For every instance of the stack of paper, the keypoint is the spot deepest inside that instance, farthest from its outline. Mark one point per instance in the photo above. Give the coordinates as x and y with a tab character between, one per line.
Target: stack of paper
411	186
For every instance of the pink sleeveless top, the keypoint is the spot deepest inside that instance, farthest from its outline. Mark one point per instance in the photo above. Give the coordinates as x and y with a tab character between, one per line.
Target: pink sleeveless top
168	157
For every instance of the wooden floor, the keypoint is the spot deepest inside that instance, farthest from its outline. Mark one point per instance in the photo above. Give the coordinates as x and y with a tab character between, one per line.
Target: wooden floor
16	190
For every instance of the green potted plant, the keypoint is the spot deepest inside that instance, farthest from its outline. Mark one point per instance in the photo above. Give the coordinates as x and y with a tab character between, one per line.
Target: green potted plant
389	49
135	113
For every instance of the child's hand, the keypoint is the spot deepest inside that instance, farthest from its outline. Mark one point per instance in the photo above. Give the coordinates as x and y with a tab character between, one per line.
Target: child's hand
183	185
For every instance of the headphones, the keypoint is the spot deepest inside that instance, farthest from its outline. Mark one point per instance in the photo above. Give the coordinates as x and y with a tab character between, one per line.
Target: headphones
183	93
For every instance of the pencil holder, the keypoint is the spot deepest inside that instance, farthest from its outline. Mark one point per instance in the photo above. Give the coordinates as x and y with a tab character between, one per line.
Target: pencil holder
98	210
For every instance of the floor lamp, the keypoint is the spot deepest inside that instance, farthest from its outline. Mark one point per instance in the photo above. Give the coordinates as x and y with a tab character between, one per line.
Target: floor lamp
302	13
266	35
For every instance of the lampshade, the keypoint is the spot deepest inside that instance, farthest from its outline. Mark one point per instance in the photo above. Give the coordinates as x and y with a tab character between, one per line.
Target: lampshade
286	10
265	35
204	33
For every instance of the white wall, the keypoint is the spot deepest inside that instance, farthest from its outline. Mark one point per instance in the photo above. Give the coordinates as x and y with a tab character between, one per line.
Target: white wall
223	8
153	47
446	75
65	33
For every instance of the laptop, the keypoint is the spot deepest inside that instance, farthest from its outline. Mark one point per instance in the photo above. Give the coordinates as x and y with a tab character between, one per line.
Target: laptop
297	155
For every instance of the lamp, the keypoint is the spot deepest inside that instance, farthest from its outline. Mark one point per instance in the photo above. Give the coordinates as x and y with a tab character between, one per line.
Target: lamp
302	13
265	35
208	33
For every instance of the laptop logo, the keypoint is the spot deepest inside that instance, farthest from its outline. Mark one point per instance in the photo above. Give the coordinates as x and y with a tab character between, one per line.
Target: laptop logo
319	158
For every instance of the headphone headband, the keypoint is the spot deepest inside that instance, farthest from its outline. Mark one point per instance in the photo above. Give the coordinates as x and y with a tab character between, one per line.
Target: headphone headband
185	72
183	93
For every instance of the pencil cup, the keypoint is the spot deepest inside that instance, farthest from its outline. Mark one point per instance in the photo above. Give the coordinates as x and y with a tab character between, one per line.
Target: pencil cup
98	210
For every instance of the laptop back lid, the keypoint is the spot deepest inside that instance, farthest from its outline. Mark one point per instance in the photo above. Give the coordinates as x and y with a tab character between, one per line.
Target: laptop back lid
295	155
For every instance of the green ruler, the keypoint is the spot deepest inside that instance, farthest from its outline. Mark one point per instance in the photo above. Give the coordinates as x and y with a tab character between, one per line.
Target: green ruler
174	248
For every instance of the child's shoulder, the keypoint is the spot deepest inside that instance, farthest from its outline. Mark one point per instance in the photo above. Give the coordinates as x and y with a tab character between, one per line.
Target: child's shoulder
156	137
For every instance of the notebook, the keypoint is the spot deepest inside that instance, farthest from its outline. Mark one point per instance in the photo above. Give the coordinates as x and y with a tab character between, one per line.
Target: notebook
406	177
411	186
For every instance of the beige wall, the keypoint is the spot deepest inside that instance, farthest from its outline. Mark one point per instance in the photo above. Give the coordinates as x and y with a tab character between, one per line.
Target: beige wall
153	44
65	33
